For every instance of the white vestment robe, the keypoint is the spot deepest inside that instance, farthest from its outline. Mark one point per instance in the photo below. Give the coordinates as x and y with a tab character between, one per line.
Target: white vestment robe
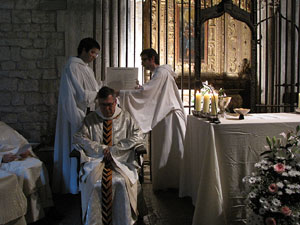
31	173
126	135
157	106
78	91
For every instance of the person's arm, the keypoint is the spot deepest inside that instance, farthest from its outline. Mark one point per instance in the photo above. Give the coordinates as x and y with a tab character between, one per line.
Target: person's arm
8	158
135	138
83	95
83	141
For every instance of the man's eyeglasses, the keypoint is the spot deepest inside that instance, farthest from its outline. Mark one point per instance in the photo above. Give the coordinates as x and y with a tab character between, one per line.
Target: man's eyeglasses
106	104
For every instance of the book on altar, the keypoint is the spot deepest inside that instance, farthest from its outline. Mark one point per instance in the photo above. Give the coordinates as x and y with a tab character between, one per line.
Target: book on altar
122	78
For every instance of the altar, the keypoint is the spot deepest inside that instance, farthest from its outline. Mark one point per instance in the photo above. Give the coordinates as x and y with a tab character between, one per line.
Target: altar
218	156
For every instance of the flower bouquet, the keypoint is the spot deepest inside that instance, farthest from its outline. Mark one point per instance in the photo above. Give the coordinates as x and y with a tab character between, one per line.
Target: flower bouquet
274	188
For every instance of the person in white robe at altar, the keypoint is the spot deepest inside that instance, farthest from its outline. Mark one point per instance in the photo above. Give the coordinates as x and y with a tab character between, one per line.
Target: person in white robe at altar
77	93
157	106
16	156
95	152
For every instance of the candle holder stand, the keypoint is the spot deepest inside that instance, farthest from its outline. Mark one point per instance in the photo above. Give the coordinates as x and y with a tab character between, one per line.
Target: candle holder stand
200	114
213	119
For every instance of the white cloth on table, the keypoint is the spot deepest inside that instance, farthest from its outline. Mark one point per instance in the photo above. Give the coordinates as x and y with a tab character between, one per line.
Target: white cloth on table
218	156
158	106
31	173
78	90
13	202
89	141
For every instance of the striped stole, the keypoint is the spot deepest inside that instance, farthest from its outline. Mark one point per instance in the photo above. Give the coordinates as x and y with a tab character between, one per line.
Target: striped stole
107	177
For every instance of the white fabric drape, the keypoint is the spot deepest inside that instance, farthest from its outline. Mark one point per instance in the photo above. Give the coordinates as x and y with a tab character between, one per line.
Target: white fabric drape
13	203
218	156
31	173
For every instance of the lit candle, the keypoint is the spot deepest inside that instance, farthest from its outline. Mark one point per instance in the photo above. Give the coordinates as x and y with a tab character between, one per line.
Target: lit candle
214	104
198	101
206	103
299	100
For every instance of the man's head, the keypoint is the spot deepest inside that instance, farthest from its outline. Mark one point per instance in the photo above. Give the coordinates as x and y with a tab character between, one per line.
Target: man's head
149	59
107	101
88	49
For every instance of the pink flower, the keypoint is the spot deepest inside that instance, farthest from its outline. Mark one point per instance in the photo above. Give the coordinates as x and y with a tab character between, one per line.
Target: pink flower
286	211
279	167
270	221
273	188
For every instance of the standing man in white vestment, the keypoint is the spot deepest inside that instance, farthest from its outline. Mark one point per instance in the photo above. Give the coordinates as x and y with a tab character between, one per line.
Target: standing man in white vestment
77	94
157	106
108	136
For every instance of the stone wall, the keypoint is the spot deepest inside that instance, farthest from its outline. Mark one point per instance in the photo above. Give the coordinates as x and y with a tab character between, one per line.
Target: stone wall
32	49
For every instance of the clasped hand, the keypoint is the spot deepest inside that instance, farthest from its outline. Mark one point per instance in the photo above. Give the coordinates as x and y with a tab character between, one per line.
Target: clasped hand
107	155
11	157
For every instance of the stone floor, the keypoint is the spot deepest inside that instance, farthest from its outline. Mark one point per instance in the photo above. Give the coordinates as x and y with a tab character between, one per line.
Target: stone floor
164	208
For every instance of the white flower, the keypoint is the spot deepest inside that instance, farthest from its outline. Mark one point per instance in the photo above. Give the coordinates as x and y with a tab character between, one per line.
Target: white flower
262	211
285	174
289	191
276	202
262	200
252	180
273	209
291	186
280	193
257	165
288	167
252	195
292	173
279	184
265	167
264	161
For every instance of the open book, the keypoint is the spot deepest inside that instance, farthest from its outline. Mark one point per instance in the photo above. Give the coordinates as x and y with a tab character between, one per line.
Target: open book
23	149
121	78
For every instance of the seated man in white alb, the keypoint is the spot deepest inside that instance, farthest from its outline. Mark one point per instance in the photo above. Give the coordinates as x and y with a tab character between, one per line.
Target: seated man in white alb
16	156
108	179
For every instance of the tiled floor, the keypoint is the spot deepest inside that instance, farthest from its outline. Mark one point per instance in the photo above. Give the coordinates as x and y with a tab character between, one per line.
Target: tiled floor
164	208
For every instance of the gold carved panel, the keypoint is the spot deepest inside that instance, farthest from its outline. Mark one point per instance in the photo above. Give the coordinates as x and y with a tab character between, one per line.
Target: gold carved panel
226	41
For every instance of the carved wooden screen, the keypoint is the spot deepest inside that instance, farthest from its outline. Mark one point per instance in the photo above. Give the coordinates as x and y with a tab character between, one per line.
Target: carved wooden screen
190	35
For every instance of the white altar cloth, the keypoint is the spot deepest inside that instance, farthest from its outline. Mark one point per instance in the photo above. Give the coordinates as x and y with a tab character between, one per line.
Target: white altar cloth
13	202
218	156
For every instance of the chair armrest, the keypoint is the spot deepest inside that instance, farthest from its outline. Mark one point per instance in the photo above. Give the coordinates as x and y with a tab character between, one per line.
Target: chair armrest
75	154
140	150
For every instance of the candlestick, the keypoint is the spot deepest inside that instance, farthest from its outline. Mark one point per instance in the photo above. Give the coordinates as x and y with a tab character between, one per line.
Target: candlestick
198	101
214	104
206	103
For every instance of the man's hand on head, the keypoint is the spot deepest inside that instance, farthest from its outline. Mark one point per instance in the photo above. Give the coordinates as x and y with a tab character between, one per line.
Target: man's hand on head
25	154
